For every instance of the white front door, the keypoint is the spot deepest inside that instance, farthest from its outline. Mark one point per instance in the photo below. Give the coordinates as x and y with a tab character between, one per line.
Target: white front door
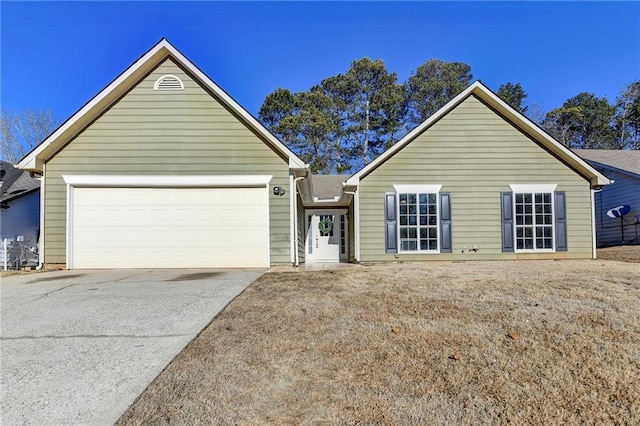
326	236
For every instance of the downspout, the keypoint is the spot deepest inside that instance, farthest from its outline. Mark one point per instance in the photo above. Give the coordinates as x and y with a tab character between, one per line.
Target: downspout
296	256
356	223
594	252
41	233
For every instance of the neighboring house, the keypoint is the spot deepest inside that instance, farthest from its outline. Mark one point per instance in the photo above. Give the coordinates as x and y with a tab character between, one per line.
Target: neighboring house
162	168
623	167
19	215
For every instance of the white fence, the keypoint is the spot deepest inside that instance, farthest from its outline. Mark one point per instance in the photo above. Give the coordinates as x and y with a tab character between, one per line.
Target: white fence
15	254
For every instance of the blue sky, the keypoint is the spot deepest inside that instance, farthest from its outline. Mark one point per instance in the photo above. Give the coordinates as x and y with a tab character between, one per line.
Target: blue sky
57	55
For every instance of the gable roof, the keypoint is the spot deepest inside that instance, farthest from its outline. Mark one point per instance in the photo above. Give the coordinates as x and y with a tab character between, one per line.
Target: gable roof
517	119
327	186
118	87
15	183
616	159
8	175
324	191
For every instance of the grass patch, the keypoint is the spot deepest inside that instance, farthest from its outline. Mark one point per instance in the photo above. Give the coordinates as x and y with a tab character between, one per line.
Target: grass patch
620	253
434	343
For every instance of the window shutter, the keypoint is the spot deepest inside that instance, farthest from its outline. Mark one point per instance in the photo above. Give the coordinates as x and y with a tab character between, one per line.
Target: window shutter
507	221
445	222
390	223
561	221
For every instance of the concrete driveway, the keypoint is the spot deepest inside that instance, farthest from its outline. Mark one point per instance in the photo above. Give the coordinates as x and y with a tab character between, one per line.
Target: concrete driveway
77	347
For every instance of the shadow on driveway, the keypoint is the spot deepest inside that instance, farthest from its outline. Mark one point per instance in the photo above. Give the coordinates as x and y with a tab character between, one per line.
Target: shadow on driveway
78	348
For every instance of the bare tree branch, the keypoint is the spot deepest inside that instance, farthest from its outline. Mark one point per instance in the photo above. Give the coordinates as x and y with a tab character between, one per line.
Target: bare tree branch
21	131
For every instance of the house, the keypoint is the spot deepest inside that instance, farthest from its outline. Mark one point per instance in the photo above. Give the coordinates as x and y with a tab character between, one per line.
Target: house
163	168
19	215
623	167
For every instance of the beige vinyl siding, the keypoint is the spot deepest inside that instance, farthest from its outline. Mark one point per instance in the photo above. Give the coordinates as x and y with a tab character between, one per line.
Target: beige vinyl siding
184	132
474	154
302	217
625	190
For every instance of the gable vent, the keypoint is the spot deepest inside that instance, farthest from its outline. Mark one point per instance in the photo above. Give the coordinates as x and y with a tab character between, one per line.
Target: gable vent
168	82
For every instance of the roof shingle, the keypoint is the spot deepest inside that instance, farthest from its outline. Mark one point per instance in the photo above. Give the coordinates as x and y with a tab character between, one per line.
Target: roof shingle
15	182
327	186
617	158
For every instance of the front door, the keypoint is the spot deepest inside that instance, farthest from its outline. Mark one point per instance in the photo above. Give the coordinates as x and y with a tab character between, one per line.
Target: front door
326	236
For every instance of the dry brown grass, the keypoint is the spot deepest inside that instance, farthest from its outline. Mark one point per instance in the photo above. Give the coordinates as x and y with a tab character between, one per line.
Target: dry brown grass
621	253
537	342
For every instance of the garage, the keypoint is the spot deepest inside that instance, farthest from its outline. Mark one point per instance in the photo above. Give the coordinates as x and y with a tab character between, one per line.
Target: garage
188	226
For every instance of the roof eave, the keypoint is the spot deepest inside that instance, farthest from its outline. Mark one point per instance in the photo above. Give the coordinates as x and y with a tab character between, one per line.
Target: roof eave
35	160
294	161
15	197
521	121
355	179
613	168
478	89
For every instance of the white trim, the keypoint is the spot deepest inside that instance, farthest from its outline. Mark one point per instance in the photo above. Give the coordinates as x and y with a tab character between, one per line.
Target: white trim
533	188
69	224
292	220
268	227
418	189
430	189
297	162
132	75
480	90
344	213
158	181
167	180
70	211
356	225
326	200
43	185
156	85
340	211
594	250
295	218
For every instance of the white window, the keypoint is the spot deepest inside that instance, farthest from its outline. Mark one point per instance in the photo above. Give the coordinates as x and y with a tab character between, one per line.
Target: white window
534	221
534	217
418	218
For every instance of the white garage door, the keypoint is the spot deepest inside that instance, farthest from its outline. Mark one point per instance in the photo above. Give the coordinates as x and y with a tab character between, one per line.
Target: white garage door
169	228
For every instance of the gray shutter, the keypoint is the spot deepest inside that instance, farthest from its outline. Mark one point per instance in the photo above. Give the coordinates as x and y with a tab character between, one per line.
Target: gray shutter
445	222
561	221
507	221
390	223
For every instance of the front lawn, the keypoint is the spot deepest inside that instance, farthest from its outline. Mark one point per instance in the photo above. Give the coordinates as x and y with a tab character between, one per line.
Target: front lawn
537	342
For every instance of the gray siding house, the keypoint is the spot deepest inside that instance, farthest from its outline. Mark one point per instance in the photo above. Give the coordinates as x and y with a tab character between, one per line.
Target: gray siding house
163	168
623	168
19	216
